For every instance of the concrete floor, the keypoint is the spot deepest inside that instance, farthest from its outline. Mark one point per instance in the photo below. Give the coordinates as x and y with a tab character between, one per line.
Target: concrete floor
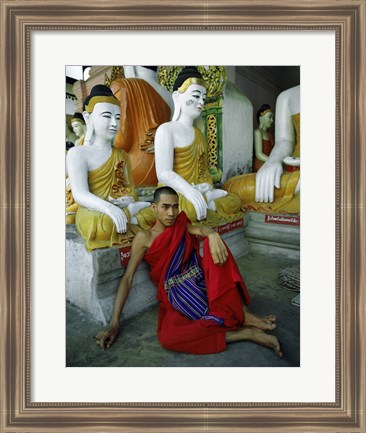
137	344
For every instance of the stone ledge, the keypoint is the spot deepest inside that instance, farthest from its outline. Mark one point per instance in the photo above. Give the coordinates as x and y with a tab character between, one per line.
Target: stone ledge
92	278
273	234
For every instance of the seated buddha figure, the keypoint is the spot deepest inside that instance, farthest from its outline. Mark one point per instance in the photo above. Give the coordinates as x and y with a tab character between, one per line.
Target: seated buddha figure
181	156
263	138
101	179
276	185
79	127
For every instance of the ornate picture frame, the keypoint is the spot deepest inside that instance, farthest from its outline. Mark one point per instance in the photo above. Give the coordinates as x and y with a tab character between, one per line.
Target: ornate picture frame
347	19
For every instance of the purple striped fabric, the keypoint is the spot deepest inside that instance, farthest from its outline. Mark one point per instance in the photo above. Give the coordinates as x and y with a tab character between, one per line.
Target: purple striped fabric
186	288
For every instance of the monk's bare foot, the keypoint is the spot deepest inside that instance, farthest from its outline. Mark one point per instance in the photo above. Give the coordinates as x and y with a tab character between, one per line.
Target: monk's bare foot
267	340
255	335
265	323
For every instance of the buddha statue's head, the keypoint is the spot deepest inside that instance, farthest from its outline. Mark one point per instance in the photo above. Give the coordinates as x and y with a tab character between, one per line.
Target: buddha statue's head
101	113
78	125
265	116
189	93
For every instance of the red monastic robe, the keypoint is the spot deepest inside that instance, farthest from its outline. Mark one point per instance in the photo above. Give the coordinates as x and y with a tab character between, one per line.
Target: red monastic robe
226	292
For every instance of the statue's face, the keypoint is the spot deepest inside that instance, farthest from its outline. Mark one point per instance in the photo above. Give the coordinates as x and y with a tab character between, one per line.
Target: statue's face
106	120
192	100
78	128
267	119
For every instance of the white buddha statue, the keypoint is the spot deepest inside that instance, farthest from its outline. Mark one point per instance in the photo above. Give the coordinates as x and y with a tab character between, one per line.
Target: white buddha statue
181	156
263	138
287	146
79	128
101	179
276	185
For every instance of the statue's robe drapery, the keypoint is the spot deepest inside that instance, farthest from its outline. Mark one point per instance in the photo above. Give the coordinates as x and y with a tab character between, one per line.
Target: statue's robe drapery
113	178
226	293
142	111
190	163
267	146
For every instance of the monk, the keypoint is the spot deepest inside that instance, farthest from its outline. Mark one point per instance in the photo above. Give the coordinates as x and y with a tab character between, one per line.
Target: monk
202	300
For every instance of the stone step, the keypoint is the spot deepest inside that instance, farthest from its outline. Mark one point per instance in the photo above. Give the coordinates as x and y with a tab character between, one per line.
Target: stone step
273	234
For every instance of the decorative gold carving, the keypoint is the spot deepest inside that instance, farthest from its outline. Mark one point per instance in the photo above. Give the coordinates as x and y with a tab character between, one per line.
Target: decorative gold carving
214	104
167	75
116	73
118	188
211	123
214	76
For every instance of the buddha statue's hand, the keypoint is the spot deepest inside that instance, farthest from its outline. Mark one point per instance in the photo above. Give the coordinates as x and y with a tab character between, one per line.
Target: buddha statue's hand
137	206
292	161
202	187
121	201
215	193
267	178
198	202
211	196
118	217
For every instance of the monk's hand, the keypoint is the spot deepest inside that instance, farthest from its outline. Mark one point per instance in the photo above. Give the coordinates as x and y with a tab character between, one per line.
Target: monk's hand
106	338
218	249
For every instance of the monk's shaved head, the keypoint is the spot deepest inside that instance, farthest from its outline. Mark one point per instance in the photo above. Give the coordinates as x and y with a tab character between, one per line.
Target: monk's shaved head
163	190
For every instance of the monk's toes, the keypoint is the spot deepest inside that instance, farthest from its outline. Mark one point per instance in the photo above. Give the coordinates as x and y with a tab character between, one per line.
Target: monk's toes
279	353
277	349
270	325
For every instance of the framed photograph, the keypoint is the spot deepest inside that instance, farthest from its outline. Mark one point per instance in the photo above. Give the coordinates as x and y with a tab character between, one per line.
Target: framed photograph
227	123
38	392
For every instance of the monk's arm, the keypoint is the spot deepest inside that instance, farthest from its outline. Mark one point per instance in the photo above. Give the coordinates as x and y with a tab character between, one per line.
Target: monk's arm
106	337
218	249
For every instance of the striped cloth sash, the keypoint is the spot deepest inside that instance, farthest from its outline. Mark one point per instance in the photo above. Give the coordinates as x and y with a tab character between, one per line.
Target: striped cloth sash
186	288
